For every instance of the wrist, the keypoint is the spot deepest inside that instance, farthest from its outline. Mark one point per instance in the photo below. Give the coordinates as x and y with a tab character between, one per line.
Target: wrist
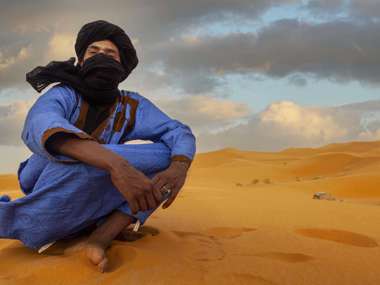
183	159
114	161
180	164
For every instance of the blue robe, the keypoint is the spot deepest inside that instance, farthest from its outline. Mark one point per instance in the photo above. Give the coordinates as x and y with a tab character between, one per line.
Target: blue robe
64	196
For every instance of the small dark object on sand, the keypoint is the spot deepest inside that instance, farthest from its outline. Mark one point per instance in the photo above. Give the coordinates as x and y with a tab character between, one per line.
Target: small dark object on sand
323	196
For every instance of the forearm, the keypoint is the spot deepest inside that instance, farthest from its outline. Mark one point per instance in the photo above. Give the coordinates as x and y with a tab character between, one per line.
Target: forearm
87	151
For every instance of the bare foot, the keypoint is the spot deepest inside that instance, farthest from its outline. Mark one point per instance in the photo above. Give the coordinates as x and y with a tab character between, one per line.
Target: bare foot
101	238
96	253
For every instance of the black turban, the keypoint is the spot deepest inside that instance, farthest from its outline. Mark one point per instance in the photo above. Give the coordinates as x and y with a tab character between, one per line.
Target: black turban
84	82
103	30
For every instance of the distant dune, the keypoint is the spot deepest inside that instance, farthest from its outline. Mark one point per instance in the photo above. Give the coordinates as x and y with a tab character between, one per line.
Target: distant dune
243	217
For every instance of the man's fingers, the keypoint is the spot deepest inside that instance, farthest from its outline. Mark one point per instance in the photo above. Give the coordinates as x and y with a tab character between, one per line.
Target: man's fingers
151	202
157	195
142	203
160	183
155	179
133	206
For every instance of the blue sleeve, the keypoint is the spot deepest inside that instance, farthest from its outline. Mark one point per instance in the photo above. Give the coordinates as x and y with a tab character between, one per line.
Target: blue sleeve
153	124
48	116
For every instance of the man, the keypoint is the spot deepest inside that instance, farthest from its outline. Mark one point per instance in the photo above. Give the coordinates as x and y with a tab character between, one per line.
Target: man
81	175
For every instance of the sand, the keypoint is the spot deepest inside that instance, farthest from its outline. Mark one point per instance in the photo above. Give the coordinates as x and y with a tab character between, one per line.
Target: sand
243	217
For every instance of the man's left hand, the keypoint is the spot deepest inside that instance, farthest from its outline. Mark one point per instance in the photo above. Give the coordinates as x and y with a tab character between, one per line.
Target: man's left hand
173	178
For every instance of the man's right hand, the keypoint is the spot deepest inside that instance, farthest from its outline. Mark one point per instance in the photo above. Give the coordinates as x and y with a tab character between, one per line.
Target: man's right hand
137	189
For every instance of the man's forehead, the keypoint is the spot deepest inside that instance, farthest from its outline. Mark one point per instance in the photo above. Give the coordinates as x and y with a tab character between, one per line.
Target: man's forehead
106	44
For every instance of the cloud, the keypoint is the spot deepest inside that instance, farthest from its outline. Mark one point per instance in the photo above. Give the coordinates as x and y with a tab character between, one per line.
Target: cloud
151	21
12	117
308	124
356	9
298	80
339	51
60	46
6	63
367	9
48	29
203	112
165	34
325	6
17	58
286	124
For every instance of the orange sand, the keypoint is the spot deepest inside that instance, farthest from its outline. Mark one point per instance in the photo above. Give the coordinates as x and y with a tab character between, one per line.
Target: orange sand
242	218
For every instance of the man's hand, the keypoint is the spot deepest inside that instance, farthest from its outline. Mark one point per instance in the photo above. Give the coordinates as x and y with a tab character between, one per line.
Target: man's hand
173	177
137	189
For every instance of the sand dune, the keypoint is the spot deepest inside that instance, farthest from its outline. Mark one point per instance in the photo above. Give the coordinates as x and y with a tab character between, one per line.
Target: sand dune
243	217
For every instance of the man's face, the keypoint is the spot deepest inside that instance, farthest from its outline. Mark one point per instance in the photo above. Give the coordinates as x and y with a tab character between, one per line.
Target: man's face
107	47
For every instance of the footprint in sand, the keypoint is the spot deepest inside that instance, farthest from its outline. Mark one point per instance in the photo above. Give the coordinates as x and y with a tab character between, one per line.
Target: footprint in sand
226	232
339	236
208	247
202	247
286	257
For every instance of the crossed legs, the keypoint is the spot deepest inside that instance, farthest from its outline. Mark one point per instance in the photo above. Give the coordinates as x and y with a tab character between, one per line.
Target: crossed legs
76	195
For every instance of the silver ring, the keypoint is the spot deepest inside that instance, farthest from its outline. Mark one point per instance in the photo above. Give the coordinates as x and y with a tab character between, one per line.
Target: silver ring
166	189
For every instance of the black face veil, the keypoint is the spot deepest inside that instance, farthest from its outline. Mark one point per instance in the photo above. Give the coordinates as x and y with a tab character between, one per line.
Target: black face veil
97	80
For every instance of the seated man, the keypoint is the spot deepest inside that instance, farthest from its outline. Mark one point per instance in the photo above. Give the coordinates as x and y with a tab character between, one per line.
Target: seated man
81	175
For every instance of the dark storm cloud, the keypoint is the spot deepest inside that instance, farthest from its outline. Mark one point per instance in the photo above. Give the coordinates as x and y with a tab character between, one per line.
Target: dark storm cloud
339	51
335	50
325	6
31	24
365	8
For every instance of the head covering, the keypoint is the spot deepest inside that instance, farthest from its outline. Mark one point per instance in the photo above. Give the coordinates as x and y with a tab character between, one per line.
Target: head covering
103	30
93	79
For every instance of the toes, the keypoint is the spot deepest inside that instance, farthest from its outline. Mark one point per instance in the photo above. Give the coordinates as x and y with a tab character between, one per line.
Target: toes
96	254
103	264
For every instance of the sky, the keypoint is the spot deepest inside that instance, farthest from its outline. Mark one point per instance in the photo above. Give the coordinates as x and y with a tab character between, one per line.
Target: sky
249	74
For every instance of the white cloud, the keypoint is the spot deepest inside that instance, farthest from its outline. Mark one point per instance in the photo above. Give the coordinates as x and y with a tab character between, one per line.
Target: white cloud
204	113
61	46
309	124
286	124
6	62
